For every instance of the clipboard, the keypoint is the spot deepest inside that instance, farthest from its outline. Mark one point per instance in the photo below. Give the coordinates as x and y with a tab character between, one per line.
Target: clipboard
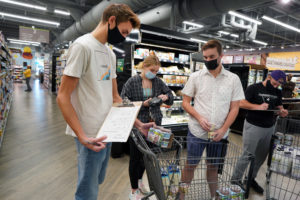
118	123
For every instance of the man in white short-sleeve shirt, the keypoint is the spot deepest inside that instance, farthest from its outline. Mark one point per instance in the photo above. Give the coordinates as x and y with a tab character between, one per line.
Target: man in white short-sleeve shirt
87	92
216	94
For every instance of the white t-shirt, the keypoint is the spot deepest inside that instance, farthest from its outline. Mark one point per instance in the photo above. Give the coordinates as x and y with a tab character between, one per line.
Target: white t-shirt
212	97
95	66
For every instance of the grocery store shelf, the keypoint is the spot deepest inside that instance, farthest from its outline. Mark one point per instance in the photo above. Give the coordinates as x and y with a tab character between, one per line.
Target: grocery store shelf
3	47
168	61
174	85
2	74
3	58
173	73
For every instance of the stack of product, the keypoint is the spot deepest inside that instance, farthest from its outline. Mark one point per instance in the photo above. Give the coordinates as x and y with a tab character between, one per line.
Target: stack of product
18	74
286	157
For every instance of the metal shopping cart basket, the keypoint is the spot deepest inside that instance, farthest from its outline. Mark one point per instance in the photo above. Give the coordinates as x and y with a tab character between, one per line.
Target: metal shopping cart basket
283	174
165	168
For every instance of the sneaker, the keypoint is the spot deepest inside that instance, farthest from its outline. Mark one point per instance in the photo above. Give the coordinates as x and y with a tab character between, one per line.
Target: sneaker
142	187
257	188
136	195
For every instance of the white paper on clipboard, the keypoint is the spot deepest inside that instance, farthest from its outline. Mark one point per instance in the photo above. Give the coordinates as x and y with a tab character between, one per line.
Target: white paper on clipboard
119	122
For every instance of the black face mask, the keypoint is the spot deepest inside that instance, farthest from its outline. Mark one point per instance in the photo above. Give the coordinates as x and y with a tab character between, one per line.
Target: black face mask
114	36
270	86
212	64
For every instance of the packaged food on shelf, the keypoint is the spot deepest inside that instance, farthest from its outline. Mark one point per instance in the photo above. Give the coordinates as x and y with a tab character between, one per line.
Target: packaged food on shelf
184	58
141	53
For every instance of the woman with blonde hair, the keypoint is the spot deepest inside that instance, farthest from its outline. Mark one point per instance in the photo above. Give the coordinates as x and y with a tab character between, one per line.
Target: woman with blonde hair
144	87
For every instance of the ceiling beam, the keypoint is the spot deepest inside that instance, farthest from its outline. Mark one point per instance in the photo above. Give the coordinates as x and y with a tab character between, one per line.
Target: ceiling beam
284	13
275	35
66	4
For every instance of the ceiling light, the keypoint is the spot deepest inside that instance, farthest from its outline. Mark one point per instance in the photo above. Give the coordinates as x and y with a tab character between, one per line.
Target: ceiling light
197	40
135	31
118	50
227	47
281	23
24	4
30	19
131	40
62	12
259	48
234	35
282	47
224	32
285	1
260	42
24	41
192	24
244	17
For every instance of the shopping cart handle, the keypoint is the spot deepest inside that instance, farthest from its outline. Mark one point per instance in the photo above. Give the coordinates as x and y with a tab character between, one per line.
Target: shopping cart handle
137	138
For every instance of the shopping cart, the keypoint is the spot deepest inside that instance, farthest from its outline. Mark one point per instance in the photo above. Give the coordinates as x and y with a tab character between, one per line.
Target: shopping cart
164	169
283	174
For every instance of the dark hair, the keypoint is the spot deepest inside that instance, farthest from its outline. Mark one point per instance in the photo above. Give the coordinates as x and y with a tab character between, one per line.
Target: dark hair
213	44
123	13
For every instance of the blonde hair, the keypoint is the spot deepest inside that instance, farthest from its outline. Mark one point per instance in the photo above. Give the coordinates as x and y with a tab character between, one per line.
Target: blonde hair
150	61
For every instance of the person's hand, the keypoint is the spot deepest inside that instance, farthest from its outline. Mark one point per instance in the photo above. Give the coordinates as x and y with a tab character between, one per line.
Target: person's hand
163	97
218	134
204	124
144	128
283	113
146	103
95	144
263	106
117	100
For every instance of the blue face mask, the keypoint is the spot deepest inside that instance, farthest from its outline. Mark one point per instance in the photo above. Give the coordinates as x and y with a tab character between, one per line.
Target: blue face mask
150	75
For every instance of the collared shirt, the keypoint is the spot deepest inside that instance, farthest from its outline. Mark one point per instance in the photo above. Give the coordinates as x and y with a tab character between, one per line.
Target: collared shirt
212	97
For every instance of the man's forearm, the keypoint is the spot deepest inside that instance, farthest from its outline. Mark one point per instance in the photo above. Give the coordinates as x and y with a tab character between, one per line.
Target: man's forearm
191	110
116	96
70	115
230	118
247	105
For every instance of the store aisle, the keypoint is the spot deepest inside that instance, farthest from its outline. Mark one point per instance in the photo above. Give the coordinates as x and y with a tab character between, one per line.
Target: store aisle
37	160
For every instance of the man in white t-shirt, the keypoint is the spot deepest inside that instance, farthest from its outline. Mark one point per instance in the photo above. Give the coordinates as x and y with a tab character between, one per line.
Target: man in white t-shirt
87	92
216	94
